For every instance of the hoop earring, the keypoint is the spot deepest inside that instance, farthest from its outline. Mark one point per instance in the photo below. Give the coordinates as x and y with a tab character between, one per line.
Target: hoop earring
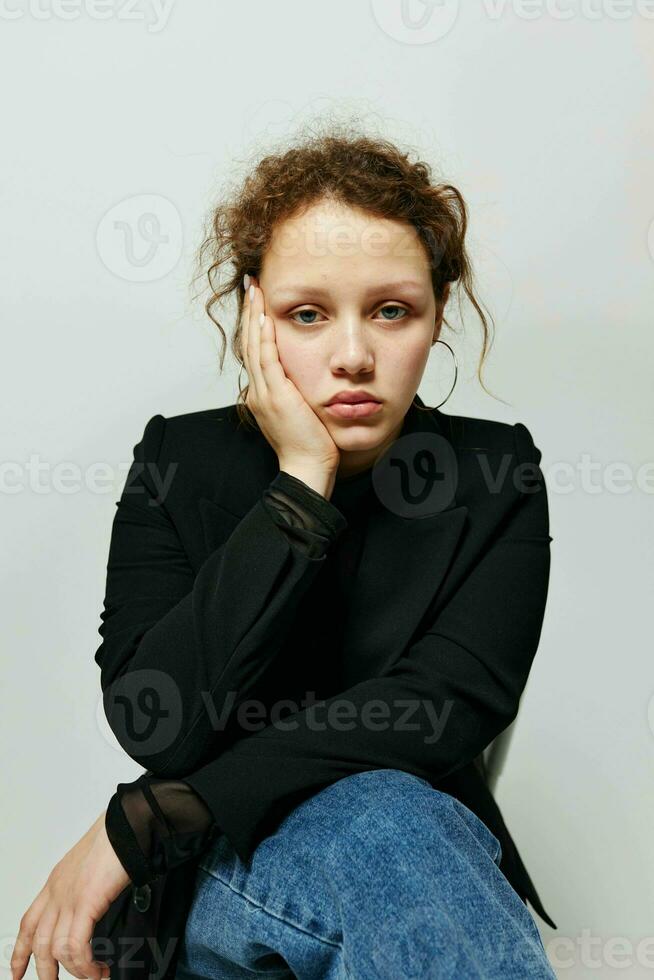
456	374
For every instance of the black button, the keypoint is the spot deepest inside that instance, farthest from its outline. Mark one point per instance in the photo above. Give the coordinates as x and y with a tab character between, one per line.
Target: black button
141	896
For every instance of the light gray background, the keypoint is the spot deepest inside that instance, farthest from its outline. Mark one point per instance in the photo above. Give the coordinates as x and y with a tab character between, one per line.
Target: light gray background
542	116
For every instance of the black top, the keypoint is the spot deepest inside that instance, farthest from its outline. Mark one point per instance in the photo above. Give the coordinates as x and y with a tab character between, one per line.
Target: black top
154	824
221	571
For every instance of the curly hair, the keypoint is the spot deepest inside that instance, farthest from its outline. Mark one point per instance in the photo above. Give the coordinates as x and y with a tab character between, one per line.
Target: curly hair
347	167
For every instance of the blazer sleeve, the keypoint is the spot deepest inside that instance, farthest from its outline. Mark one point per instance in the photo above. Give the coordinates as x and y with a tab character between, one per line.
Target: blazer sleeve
154	824
173	640
438	706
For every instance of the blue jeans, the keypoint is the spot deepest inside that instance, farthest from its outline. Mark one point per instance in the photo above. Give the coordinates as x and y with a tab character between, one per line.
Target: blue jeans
376	877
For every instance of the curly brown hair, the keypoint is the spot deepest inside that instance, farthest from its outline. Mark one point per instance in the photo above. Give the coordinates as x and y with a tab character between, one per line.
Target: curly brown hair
348	167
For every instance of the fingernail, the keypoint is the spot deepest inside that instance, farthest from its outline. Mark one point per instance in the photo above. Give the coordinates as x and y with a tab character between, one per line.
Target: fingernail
262	317
251	292
246	281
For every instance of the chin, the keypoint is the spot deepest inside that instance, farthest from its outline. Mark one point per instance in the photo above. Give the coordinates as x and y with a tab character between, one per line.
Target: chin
365	435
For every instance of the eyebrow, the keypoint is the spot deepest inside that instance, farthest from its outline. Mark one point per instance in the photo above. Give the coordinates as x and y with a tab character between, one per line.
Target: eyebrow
291	291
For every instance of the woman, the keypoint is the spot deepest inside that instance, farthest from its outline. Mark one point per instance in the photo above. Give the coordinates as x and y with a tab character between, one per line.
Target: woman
315	622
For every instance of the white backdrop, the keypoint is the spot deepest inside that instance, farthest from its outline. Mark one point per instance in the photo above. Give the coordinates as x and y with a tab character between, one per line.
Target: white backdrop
541	113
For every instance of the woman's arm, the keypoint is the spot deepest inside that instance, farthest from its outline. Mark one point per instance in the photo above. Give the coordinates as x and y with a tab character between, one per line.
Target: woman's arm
153	824
171	639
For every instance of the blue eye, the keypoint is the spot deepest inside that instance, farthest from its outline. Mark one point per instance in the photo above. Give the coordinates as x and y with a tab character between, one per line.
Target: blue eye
389	306
393	306
305	322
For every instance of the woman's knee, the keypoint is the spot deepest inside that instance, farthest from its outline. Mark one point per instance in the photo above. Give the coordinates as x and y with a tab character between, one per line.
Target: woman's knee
395	809
392	787
379	804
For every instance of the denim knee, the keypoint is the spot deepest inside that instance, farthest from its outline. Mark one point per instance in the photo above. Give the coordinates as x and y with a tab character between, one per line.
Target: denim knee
373	785
386	805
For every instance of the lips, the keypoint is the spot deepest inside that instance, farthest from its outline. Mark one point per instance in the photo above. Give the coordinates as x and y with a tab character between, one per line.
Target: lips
354	410
353	398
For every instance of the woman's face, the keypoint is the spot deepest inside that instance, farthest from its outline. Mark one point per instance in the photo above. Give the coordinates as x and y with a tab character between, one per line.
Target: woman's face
353	306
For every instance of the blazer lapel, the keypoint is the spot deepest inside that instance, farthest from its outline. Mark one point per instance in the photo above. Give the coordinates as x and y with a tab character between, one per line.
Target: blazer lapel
407	550
217	523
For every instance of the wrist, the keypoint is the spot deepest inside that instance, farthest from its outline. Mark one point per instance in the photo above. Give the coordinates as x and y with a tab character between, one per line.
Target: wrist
319	478
123	839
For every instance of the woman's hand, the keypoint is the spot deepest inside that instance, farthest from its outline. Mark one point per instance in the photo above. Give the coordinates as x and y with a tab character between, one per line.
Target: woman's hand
59	924
284	416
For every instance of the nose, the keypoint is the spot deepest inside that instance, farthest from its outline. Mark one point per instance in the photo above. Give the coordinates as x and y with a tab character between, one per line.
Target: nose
352	351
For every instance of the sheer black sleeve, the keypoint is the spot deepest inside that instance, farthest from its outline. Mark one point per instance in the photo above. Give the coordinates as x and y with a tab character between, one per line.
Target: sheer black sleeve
310	521
155	824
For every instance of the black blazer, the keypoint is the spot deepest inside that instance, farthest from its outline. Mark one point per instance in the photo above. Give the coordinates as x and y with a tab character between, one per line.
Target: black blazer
203	591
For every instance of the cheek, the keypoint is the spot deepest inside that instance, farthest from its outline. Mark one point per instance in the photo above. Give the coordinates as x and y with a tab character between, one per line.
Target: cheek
405	361
301	369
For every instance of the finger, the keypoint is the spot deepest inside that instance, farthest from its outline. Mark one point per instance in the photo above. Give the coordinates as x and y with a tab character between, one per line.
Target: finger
254	337
271	365
47	967
63	944
82	932
21	954
245	319
24	941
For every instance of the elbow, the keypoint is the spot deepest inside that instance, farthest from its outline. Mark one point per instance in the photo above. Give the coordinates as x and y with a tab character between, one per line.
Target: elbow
162	758
150	729
146	714
160	717
467	720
